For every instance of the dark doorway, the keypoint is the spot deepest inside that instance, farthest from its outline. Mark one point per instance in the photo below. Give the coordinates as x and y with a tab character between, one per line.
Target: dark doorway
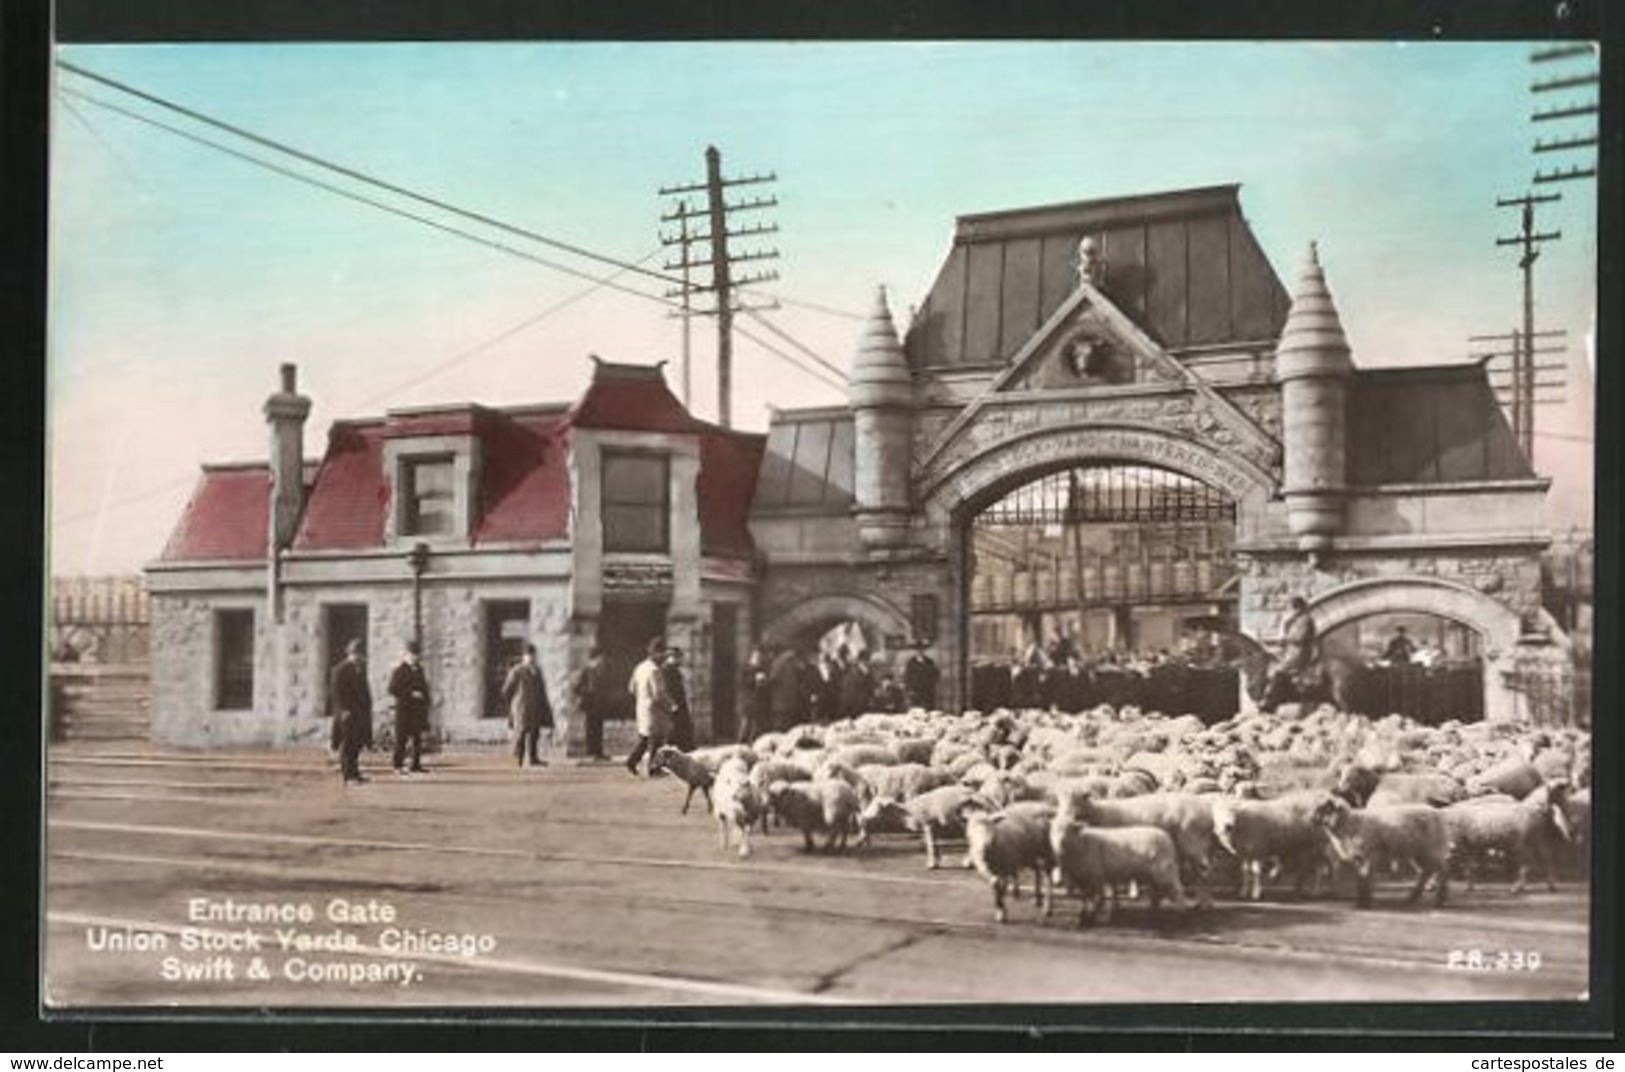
724	670
507	631
624	631
342	623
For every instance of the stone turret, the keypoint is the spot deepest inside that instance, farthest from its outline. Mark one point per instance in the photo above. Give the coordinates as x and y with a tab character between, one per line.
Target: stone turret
285	412
881	393
1313	366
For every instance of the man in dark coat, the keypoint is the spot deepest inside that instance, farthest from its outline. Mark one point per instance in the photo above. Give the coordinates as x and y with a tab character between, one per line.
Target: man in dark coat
754	712
351	699
682	719
920	677
788	686
410	688
525	691
592	700
857	689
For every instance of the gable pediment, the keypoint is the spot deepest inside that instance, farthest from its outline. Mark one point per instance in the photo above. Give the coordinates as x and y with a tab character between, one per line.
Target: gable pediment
1085	349
1090	346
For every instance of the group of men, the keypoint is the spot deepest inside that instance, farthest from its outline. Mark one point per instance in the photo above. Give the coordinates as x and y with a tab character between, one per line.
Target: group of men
782	688
777	692
351	700
659	705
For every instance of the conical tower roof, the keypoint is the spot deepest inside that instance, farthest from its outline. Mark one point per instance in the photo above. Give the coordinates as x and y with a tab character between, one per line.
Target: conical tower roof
879	368
1312	340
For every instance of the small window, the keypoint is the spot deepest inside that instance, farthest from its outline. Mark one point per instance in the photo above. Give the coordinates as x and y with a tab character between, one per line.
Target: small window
923	616
429	496
234	660
636	502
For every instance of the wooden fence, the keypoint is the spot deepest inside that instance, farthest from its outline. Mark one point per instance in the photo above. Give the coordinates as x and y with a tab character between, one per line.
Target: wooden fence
100	620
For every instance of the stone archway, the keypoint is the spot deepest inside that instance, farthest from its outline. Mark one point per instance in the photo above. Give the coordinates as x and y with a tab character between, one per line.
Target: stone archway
981	477
971	479
1495	622
1498	625
816	612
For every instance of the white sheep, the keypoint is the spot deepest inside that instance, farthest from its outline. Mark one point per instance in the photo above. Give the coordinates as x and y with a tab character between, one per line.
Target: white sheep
934	815
1368	839
902	782
715	756
1416	787
861	755
1186	817
736	803
829	807
692	773
1515	776
1281	831
1002	845
1521	830
1093	862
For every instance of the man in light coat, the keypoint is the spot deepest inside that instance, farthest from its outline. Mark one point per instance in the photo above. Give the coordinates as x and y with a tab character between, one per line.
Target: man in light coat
651	703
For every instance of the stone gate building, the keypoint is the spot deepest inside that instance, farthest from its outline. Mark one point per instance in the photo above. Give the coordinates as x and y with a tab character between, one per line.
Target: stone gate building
1144	335
1152	332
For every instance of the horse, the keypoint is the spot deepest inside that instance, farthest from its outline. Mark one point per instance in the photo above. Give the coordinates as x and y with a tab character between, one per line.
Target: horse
1329	679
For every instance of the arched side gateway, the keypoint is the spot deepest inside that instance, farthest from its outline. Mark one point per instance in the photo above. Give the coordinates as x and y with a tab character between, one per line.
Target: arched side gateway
803	622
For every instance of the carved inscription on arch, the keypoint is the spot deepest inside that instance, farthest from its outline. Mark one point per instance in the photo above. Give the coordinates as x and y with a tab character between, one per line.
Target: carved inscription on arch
1011	459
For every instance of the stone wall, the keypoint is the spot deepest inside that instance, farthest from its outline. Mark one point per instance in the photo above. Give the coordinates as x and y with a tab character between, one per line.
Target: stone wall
183	670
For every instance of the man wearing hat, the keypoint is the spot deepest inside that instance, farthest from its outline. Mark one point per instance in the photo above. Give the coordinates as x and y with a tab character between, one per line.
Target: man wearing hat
410	688
351	702
682	720
651	702
529	710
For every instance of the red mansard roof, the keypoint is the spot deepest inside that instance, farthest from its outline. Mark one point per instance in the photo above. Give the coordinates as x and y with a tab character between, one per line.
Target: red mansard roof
524	479
347	507
228	516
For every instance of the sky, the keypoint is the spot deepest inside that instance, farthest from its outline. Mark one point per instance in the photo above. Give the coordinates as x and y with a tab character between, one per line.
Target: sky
181	276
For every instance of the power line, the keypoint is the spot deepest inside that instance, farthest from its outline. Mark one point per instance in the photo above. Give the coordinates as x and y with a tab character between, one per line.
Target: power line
814	306
781	333
604	281
479	348
817	374
359	176
351	195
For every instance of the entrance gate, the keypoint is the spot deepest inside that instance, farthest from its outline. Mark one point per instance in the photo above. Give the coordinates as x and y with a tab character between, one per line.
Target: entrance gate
1102	582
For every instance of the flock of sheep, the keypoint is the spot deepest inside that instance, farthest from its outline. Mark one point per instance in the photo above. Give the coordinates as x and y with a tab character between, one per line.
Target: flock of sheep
1111	802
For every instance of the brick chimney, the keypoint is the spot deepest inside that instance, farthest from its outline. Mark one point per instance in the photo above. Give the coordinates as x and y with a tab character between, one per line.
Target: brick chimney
285	412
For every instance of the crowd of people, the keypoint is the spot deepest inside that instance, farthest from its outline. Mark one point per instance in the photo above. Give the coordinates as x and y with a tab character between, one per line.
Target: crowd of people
782	687
779	687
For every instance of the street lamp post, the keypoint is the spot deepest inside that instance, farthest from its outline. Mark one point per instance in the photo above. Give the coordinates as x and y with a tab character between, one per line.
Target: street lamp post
419	561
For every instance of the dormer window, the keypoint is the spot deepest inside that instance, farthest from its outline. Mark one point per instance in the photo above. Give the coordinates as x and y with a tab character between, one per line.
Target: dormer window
636	506
429	496
435	487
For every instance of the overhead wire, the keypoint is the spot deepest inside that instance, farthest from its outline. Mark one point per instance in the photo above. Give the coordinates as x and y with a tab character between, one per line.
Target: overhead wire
351	195
416	217
787	337
826	373
361	176
816	373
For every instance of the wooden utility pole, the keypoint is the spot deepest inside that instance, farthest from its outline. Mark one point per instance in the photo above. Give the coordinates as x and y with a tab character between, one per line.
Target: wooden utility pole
1582	139
1550	377
722	259
1523	361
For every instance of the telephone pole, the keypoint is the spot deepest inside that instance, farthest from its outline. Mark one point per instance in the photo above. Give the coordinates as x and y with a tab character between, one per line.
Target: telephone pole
722	259
1517	392
1584	81
1523	358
